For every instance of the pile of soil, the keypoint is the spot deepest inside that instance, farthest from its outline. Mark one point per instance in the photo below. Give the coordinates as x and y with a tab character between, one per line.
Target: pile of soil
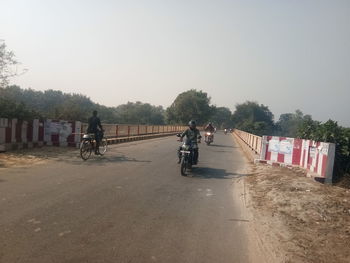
309	220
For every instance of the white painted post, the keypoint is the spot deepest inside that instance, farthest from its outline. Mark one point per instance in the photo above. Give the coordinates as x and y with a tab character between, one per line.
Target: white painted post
77	131
330	163
263	148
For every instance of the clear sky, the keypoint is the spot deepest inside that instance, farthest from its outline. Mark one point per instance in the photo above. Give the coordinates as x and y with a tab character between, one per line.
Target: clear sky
287	55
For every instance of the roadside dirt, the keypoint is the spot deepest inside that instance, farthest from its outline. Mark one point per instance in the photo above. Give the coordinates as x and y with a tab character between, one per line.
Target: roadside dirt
35	156
305	221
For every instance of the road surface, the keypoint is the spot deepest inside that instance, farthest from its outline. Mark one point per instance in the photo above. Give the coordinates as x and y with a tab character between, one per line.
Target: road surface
131	205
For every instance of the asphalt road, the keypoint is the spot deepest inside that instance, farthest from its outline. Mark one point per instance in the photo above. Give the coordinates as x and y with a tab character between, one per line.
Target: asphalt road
131	205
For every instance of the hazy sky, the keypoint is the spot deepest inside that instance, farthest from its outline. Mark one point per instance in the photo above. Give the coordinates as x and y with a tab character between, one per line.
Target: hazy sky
287	55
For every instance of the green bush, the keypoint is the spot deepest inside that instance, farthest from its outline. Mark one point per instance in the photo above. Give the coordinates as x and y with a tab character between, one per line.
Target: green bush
331	132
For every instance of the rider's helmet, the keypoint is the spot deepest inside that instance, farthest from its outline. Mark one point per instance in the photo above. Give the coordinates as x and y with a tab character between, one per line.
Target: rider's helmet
210	124
192	124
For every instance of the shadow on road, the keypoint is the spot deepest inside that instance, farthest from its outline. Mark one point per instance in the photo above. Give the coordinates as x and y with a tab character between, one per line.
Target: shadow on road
104	160
222	146
213	173
222	151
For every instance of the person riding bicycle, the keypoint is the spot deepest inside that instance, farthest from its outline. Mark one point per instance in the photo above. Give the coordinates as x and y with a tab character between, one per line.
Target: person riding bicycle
95	127
193	136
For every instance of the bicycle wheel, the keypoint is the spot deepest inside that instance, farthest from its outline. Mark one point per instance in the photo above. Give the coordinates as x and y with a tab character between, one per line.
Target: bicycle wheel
85	150
103	146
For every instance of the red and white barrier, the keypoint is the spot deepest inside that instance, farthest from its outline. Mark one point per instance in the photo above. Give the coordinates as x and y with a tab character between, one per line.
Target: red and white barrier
316	157
16	134
62	133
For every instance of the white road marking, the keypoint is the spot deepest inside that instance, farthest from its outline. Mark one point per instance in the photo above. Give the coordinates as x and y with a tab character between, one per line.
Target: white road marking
64	233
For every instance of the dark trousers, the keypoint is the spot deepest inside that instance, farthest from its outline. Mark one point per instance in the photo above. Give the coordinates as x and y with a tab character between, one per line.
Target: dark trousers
98	138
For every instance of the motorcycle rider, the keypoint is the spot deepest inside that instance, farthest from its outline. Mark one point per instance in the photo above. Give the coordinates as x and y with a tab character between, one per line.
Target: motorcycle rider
209	128
192	135
95	127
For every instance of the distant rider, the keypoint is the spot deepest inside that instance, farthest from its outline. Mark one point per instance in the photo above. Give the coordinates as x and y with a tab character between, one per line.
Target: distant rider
209	128
192	135
95	127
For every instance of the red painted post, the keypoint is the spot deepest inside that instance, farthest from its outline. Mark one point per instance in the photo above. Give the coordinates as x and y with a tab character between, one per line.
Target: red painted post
138	130
116	130
128	131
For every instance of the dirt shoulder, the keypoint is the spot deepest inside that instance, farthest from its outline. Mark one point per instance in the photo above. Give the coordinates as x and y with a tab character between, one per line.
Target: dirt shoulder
35	156
306	220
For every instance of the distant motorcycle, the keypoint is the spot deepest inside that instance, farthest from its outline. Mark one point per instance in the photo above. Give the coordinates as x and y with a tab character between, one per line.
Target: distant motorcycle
186	156
209	138
225	131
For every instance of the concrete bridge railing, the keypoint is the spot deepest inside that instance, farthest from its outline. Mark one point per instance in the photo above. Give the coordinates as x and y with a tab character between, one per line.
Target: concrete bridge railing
315	157
16	134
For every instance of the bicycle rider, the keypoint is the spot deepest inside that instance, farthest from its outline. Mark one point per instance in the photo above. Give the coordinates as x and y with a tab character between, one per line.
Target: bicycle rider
95	127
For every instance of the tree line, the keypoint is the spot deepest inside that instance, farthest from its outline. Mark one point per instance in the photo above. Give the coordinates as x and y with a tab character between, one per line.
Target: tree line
29	104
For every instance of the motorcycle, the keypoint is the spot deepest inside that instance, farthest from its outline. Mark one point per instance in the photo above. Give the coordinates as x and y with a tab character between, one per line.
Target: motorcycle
225	131
209	138
186	155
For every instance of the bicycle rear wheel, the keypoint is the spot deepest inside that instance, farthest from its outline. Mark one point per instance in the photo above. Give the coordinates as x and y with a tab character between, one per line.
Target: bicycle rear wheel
103	146
85	150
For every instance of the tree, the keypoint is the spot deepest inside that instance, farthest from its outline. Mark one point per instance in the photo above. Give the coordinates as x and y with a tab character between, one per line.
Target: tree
190	105
221	117
8	65
11	109
329	131
308	128
288	123
140	113
254	118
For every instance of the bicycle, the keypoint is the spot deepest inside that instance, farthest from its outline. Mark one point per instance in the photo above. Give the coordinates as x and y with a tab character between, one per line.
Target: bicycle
88	144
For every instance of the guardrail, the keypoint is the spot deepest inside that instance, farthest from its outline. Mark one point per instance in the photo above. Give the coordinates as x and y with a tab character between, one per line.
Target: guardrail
315	157
16	134
252	141
125	130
